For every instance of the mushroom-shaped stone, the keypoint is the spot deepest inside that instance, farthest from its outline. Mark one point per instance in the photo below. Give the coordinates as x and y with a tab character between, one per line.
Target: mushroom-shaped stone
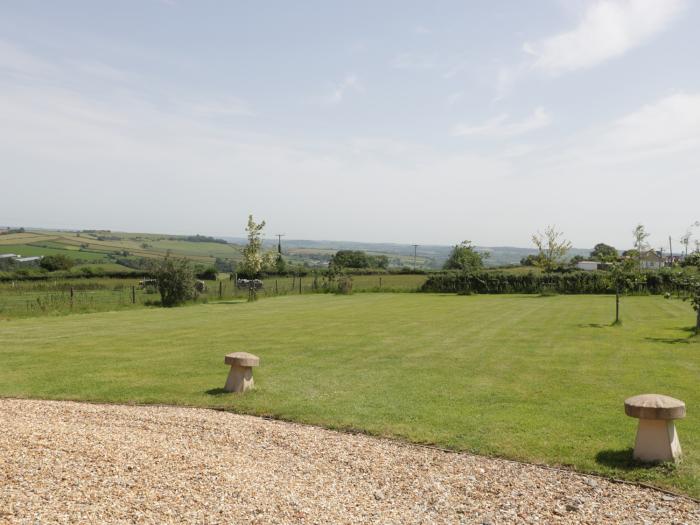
657	439
240	378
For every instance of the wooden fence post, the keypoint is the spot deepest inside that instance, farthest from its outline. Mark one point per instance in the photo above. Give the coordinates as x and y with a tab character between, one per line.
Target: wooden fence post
133	294
221	289
300	284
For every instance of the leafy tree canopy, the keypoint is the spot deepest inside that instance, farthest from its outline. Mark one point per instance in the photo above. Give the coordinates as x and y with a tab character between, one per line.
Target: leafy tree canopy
56	262
552	248
357	259
604	252
175	278
464	257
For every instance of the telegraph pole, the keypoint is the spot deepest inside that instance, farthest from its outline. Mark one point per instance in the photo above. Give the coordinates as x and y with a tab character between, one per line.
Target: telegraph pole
415	252
279	242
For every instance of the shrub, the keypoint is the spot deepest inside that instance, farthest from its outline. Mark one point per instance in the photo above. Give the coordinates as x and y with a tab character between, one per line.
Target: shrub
56	262
208	274
175	279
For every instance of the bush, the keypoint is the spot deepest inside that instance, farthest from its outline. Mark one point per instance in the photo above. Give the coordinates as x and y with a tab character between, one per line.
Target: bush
175	278
56	262
208	274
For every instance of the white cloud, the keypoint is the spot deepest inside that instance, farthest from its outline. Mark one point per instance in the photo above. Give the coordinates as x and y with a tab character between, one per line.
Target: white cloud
670	124
608	29
349	83
502	126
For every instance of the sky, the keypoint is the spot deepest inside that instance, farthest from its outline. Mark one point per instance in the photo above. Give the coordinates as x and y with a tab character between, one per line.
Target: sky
378	121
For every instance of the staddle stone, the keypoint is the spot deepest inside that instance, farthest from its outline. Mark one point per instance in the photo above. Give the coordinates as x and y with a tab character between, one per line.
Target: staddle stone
240	377
242	359
657	439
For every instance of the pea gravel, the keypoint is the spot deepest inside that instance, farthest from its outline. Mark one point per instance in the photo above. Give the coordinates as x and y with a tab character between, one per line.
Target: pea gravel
65	462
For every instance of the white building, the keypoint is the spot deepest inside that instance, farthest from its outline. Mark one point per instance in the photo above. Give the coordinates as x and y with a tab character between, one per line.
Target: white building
588	266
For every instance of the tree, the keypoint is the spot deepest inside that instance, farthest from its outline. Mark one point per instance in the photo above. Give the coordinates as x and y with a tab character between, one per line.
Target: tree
604	252
56	262
685	239
175	280
464	257
640	241
623	278
253	260
530	260
691	286
349	259
280	265
552	248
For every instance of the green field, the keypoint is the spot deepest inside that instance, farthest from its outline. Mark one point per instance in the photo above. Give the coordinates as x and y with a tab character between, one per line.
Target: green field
52	296
89	247
540	379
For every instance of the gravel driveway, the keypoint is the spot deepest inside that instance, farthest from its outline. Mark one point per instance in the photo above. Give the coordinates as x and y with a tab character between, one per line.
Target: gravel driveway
64	462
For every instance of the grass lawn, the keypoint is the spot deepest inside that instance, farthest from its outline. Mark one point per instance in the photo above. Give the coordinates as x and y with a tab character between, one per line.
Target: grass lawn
532	378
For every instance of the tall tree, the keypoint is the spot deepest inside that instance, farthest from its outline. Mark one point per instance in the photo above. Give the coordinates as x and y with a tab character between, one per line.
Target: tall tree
604	252
464	257
640	241
552	248
253	259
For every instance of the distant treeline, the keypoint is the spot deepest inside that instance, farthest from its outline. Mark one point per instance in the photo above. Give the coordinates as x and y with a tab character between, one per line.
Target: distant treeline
533	283
199	238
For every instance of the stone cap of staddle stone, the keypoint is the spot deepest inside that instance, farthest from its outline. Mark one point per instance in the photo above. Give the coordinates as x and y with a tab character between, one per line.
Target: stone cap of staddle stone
241	359
654	406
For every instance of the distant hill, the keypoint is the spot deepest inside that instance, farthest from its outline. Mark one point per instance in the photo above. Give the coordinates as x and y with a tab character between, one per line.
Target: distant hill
428	256
95	247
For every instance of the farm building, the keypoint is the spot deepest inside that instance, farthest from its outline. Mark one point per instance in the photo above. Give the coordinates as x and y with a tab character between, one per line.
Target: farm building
8	256
28	260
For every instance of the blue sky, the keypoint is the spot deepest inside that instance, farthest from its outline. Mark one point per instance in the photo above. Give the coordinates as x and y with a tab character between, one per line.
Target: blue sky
376	121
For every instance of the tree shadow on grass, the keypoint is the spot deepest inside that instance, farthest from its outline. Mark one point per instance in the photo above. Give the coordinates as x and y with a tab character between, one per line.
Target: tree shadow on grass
593	325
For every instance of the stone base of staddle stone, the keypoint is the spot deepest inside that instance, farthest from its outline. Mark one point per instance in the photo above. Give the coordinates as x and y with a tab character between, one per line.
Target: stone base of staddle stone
240	379
657	441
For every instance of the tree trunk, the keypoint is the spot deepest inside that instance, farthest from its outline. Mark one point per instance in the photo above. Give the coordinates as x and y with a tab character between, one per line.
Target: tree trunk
697	323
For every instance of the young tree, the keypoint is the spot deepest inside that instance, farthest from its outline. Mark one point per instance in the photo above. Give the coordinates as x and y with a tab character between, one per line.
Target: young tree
253	260
175	280
691	287
552	248
464	257
624	278
640	241
695	300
